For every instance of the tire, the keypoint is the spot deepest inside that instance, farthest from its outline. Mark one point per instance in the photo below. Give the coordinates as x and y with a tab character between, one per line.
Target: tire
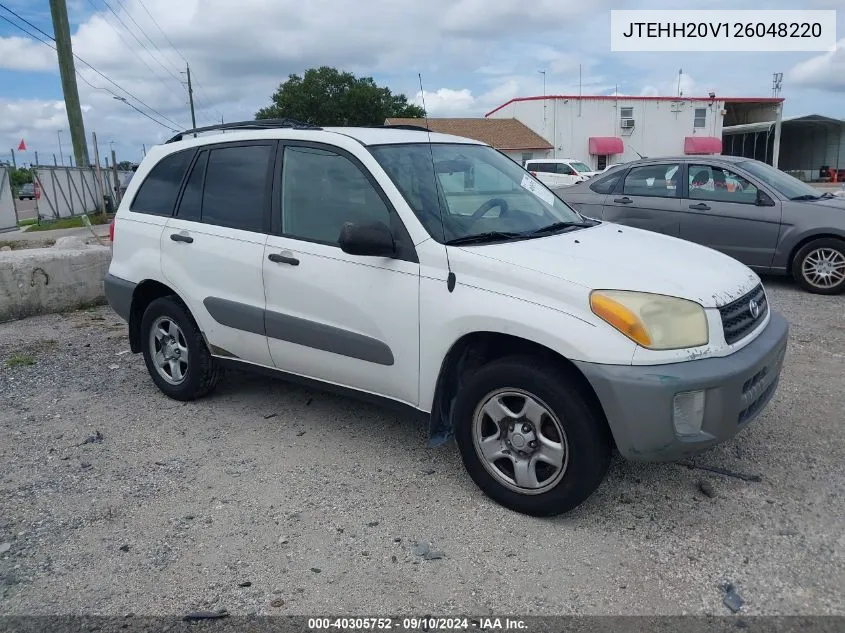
576	431
819	266
197	372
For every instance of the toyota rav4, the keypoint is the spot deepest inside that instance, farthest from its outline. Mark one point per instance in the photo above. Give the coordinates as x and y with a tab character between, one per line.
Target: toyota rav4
433	272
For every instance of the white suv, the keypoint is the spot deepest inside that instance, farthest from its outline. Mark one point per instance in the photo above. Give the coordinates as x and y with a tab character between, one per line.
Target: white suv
434	273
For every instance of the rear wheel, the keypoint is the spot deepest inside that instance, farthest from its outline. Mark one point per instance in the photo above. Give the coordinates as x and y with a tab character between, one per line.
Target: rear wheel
174	351
527	437
819	267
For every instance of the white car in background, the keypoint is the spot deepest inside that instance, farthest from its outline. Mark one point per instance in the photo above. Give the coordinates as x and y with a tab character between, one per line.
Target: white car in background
559	172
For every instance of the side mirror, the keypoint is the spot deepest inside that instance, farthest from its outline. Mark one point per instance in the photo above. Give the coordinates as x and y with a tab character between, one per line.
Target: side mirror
763	199
372	240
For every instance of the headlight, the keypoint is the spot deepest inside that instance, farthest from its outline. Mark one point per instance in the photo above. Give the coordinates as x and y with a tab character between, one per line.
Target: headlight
653	321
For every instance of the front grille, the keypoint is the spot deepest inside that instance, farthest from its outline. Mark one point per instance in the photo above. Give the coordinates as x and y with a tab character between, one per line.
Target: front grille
737	317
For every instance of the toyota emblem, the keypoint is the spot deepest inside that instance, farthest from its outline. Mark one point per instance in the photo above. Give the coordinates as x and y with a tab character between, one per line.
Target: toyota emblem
754	308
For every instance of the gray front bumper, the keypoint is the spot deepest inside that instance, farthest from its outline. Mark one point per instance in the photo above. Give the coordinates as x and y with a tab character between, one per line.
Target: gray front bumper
638	400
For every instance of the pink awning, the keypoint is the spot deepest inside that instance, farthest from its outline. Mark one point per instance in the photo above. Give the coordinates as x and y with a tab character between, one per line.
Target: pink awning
702	145
606	145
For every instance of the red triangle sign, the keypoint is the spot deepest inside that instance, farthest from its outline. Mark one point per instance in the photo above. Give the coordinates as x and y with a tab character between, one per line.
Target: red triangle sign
22	146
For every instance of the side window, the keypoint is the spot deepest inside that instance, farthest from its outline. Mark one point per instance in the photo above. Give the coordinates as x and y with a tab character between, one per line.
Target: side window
157	194
322	190
606	184
652	180
565	169
190	207
235	187
700	119
720	185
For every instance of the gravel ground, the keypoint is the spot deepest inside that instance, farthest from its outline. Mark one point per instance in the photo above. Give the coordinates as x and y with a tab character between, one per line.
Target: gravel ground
269	498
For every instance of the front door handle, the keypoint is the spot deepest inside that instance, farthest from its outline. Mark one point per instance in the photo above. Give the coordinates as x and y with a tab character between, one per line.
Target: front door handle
283	259
179	237
700	207
625	200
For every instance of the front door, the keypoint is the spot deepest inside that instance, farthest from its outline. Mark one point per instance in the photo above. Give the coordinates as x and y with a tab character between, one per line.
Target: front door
722	210
212	250
344	319
647	198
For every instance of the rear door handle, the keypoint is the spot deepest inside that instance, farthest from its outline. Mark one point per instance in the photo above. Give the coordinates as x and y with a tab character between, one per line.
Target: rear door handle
283	259
700	207
625	200
179	237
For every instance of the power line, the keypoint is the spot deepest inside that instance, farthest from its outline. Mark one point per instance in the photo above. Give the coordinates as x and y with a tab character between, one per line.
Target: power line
82	77
52	39
176	49
131	48
146	35
172	45
137	39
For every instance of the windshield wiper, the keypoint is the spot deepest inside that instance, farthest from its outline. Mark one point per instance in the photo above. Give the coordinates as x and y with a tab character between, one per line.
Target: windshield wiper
480	238
558	227
806	196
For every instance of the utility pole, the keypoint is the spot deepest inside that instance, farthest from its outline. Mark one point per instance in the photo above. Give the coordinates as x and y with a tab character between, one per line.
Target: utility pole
116	178
61	29
61	155
14	163
191	98
100	186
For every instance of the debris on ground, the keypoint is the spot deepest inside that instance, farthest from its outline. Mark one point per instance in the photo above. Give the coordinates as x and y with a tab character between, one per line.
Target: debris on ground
283	540
372	524
419	549
433	554
206	615
278	602
625	499
723	471
124	548
5	547
316	570
97	438
732	599
706	488
245	583
270	415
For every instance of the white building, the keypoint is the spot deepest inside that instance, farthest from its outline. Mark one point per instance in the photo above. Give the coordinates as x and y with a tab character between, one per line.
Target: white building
600	130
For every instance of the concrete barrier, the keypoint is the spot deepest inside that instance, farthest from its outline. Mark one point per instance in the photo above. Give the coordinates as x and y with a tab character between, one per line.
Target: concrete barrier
44	280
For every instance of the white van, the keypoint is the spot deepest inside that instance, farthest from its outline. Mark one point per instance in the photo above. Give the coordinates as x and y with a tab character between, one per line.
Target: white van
433	273
559	172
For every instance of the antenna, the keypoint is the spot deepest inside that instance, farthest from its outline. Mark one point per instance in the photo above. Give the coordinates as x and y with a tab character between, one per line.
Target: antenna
450	278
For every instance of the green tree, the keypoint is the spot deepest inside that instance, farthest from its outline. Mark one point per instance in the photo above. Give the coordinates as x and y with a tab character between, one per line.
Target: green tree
124	165
326	96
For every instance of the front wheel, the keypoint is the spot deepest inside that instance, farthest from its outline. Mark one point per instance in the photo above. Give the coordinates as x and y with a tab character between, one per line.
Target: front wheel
528	438
175	352
819	267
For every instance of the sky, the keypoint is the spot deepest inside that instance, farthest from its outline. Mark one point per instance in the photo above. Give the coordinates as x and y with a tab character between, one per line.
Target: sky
473	55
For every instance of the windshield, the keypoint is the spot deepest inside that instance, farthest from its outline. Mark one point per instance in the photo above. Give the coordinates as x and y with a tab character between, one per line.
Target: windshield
579	166
785	184
481	192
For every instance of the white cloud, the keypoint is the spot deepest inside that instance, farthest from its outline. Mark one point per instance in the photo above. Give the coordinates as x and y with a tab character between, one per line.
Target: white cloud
448	103
23	53
826	71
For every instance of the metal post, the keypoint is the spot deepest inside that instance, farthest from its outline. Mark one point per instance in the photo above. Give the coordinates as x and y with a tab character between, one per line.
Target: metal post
61	155
144	148
101	191
776	143
116	179
14	163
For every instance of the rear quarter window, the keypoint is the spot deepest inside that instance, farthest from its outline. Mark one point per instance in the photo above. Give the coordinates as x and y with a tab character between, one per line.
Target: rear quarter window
157	194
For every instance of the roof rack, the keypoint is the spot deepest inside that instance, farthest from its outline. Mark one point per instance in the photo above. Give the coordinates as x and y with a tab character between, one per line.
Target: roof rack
260	124
401	126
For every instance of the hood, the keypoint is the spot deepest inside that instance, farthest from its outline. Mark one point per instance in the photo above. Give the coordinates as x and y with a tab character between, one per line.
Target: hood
837	202
607	256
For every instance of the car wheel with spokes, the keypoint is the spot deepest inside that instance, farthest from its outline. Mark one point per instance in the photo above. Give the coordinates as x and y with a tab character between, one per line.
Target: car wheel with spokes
175	352
819	267
528	438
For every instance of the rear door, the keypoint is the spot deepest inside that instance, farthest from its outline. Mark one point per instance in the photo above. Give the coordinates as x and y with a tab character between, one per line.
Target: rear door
722	211
647	197
590	199
212	250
